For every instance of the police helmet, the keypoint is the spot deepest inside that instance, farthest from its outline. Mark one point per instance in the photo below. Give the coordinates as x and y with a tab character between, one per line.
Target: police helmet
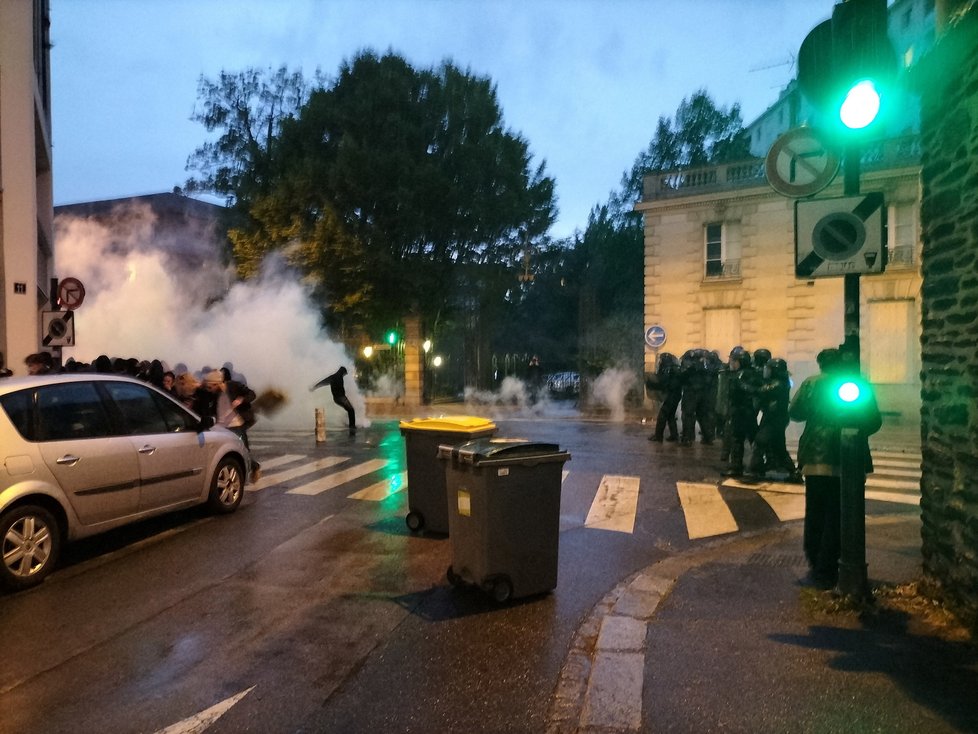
778	367
761	357
741	355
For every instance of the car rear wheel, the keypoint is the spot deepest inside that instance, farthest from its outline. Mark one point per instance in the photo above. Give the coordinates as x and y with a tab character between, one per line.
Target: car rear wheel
30	541
227	487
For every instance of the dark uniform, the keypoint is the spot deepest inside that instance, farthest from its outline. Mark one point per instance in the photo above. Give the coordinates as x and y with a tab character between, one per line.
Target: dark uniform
668	381
773	396
741	413
698	394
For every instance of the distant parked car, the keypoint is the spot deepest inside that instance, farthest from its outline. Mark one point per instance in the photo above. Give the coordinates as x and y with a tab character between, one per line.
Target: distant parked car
82	454
564	384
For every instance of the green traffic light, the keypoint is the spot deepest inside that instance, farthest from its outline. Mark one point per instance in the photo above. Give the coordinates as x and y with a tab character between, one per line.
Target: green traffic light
861	105
848	392
391	338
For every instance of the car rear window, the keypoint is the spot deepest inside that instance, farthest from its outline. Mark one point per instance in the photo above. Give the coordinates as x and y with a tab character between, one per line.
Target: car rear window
144	411
17	406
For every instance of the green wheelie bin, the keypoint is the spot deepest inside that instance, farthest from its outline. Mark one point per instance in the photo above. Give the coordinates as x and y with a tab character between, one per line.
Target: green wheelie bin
504	515
427	498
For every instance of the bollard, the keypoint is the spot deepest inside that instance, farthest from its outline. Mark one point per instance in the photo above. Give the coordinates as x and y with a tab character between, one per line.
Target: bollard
320	426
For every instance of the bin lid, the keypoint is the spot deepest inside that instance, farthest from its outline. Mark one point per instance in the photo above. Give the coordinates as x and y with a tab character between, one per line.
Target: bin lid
449	424
503	451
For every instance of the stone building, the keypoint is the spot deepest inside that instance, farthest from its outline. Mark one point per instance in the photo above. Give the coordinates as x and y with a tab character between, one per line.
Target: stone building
26	192
720	251
948	81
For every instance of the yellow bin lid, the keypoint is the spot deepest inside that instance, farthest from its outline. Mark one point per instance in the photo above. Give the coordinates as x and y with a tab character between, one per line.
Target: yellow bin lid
449	423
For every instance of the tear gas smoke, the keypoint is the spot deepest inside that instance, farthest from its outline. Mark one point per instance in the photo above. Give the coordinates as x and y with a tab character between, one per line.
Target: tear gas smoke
147	302
610	389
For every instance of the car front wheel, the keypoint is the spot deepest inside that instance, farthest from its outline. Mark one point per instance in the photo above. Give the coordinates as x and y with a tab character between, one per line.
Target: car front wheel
227	487
30	541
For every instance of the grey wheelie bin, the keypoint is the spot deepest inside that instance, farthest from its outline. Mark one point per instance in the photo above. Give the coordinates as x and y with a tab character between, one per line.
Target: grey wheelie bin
427	498
504	515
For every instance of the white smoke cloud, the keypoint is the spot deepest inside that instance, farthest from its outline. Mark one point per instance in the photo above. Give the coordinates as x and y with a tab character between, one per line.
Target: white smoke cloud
144	302
610	389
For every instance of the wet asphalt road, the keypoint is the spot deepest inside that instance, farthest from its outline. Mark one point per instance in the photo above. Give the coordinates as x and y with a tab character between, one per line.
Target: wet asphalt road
324	613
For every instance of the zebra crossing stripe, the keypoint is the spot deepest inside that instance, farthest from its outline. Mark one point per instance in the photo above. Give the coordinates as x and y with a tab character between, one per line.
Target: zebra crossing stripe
614	505
787	501
323	484
382	490
280	461
269	480
705	511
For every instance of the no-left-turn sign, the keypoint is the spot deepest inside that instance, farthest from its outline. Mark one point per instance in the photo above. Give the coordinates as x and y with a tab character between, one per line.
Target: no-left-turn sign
71	293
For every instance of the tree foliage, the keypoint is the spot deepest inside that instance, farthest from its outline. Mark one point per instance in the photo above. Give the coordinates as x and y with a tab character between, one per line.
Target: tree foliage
377	185
700	134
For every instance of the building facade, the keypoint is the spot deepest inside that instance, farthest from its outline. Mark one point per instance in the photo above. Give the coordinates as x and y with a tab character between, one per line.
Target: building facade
720	250
720	272
26	191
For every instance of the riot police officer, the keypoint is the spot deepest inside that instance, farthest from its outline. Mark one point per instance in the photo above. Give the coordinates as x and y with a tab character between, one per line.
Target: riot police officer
668	381
773	397
697	397
741	416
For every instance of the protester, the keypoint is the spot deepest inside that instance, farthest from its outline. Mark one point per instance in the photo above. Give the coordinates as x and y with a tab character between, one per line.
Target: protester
335	382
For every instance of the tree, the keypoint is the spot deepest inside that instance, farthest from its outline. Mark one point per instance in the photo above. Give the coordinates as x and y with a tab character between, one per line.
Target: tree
249	107
610	252
384	181
700	134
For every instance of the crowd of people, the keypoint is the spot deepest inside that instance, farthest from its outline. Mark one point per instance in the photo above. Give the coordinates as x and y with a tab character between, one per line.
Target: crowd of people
743	401
209	393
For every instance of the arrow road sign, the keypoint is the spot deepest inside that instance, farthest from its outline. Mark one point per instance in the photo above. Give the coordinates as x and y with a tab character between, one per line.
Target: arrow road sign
655	336
840	236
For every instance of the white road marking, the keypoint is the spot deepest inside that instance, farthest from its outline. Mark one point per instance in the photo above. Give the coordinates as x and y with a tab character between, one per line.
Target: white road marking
382	490
323	484
280	460
614	505
268	480
199	722
706	512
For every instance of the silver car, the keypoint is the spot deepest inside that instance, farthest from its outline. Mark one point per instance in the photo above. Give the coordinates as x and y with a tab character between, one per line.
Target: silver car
82	454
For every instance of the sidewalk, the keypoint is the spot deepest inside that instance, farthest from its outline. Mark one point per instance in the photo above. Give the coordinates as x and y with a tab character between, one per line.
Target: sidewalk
727	638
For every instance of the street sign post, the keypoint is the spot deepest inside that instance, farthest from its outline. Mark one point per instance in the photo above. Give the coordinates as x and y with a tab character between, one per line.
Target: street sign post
57	329
71	293
655	336
800	164
840	236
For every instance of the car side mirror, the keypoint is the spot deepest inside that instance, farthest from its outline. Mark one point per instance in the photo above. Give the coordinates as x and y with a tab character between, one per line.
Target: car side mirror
206	423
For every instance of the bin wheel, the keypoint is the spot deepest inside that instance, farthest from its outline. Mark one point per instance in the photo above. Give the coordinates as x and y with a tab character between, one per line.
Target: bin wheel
415	521
501	589
453	578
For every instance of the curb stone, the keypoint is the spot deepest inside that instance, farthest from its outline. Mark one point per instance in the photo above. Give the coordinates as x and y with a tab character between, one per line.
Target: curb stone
599	688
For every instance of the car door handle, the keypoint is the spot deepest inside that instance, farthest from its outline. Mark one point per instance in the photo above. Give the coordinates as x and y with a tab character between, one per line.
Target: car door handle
147	449
68	460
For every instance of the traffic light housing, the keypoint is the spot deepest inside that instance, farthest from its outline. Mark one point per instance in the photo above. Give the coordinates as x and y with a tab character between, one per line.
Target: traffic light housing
847	68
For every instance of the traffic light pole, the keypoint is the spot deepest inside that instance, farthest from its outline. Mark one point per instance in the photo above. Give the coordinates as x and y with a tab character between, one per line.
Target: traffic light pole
853	574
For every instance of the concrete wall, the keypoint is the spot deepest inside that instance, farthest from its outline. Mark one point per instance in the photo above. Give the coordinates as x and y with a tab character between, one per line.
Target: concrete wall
26	212
948	81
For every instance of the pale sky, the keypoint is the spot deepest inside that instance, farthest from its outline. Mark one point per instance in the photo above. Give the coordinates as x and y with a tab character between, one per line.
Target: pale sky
584	81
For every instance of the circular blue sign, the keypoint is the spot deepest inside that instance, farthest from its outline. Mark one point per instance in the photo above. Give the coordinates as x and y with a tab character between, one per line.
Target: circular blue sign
655	336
